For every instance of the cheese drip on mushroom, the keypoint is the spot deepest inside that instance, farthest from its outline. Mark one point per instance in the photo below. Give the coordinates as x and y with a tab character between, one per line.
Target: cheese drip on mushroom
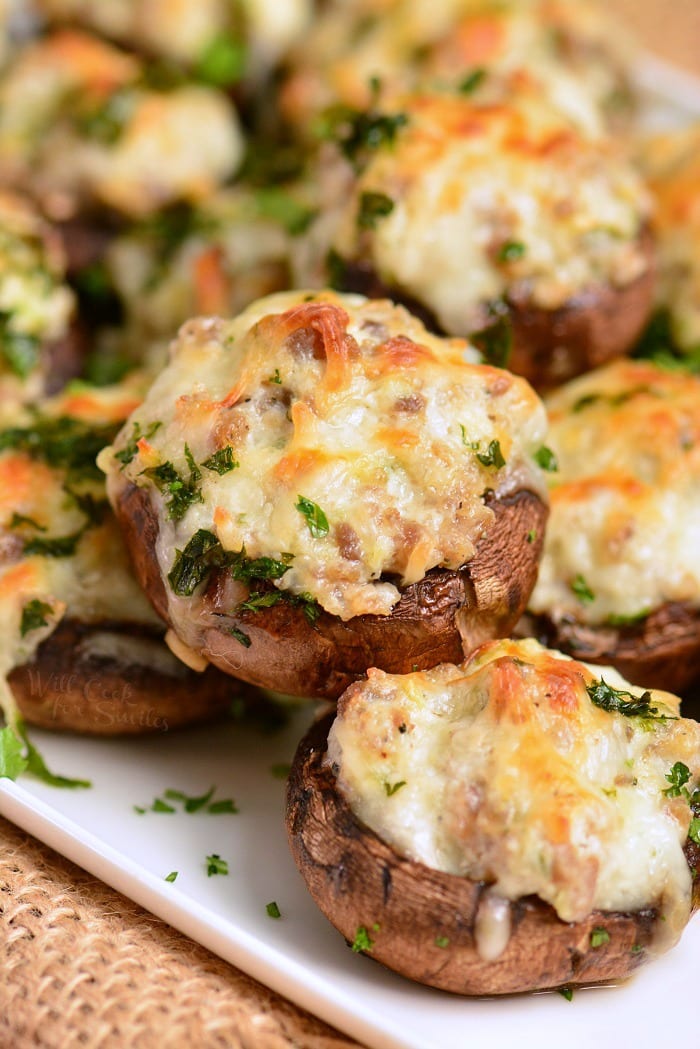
504	770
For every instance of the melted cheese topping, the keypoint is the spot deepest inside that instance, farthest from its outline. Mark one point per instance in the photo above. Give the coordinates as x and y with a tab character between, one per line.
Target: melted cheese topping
182	30
503	770
94	583
625	503
34	301
233	255
562	50
466	183
343	404
76	122
673	164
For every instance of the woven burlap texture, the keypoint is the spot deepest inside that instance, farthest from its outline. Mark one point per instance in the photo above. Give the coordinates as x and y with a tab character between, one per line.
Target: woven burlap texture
83	966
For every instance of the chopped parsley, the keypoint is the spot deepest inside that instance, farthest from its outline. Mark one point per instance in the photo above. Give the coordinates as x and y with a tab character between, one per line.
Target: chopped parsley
172	876
633	619
363	941
314	517
531	535
190	803
511	251
130	449
546	458
34	616
18	520
373	206
275	377
180	494
493	456
215	865
223	61
276	204
495	341
240	636
567	992
582	590
162	806
64	443
620	701
678	777
473	80
273	910
60	546
599	937
192	565
391	788
12	760
359	133
442	941
37	767
21	351
221	462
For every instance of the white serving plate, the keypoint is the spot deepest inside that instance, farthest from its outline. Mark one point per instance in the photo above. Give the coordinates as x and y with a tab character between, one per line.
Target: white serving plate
300	955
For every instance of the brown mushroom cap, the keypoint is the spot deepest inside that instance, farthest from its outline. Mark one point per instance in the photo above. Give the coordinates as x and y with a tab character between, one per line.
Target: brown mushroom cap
435	621
422	922
549	346
69	687
661	651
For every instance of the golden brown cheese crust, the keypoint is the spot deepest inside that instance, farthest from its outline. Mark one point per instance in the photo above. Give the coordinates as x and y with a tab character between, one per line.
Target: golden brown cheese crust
622	537
331	411
560	50
518	204
79	128
185	31
35	302
672	162
568	802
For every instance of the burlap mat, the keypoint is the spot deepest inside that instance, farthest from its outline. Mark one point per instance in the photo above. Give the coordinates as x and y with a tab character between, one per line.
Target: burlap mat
82	966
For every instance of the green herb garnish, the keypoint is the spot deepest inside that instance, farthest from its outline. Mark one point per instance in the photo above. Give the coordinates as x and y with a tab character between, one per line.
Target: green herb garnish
240	636
273	910
373	206
280	206
64	443
620	701
363	941
442	941
493	456
314	517
221	462
215	865
359	133
59	546
180	494
546	458
582	590
36	765
599	937
471	81
678	777
12	760
171	877
511	251
34	616
20	351
130	449
567	992
495	341
223	61
391	788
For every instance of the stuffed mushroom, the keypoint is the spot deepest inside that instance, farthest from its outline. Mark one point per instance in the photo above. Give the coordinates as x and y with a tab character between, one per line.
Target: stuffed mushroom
320	485
517	822
620	576
501	222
